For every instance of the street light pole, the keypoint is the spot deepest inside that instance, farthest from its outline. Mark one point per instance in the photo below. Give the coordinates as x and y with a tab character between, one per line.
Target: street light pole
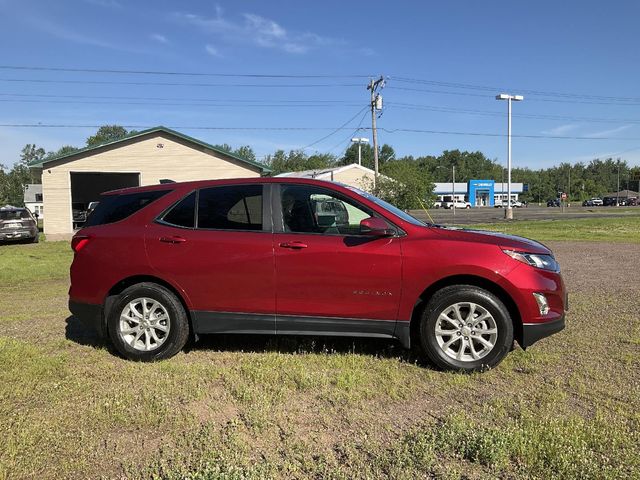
508	213
453	189
359	141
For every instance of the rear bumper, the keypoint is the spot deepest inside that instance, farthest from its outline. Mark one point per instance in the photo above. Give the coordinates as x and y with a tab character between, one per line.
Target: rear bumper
17	235
532	332
90	315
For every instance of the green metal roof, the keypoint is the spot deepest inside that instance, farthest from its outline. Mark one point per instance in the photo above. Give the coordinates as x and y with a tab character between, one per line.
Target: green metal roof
41	163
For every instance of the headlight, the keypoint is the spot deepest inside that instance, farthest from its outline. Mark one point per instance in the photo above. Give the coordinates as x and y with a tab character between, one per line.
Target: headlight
545	262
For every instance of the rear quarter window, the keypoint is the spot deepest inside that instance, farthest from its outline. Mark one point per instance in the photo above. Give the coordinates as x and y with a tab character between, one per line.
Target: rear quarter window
113	208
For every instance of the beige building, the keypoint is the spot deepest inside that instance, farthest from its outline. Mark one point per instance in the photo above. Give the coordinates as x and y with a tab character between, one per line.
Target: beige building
71	181
353	174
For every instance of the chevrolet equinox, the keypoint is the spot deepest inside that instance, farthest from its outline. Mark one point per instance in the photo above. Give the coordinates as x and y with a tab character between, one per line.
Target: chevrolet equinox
156	265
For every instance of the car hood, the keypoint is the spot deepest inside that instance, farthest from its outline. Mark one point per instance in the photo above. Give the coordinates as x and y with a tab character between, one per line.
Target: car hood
502	240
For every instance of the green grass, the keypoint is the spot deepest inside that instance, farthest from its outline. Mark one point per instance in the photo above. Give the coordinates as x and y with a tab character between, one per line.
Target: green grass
22	264
258	407
615	230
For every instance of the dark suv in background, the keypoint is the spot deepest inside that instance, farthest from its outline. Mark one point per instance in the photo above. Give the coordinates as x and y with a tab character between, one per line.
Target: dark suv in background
17	224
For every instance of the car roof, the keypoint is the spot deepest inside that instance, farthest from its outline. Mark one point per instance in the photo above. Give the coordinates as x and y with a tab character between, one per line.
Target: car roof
228	181
9	208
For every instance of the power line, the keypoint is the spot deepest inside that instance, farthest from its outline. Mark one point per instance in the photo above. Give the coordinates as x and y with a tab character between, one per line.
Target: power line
337	129
468	94
524	91
487	134
190	99
174	104
501	114
187	74
348	139
180	84
387	130
280	103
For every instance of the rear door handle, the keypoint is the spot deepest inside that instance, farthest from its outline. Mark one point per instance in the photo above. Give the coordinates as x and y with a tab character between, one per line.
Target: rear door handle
173	239
294	245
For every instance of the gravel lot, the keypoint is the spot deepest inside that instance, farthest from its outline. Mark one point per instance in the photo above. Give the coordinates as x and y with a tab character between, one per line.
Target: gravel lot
533	212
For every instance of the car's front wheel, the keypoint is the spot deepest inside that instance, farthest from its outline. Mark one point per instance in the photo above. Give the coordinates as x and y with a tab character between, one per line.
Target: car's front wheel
465	328
147	322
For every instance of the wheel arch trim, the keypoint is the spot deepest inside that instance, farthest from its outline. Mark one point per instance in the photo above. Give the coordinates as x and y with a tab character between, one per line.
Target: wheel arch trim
473	280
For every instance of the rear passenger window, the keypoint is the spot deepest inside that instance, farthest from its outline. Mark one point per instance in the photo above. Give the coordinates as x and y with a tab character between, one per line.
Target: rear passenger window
233	207
183	214
113	208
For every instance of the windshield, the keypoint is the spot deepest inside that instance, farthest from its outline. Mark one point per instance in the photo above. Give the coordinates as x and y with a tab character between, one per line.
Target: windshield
387	206
14	215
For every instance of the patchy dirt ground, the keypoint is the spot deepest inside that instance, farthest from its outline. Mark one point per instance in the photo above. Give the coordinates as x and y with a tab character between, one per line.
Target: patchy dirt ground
258	407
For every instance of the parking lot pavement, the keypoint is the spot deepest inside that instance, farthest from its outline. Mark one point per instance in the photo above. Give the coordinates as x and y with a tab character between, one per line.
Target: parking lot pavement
533	212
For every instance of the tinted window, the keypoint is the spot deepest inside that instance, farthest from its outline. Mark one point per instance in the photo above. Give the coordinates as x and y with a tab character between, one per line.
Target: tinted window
113	208
14	214
315	210
184	213
234	207
387	206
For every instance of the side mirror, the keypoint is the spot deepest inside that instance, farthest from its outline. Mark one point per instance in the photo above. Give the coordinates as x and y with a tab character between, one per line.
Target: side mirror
376	227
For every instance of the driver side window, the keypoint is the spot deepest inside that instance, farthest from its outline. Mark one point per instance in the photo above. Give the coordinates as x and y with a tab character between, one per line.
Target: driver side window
309	209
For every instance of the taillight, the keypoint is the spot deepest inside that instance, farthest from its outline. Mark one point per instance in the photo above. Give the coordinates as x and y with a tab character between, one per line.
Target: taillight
79	242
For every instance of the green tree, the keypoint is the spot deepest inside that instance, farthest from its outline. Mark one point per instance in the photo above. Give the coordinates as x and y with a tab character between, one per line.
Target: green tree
30	153
404	183
108	133
64	150
298	161
246	152
385	154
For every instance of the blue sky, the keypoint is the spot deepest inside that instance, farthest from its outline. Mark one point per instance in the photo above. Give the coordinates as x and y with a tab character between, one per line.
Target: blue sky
586	49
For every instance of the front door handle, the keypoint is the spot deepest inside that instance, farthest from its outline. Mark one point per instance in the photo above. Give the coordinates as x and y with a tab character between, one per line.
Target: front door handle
294	245
173	239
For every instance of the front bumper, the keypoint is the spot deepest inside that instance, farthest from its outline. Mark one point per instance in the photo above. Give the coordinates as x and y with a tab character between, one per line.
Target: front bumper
532	332
90	315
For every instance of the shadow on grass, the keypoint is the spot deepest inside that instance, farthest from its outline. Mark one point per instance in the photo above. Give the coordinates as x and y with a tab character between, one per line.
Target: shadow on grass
85	335
293	344
82	334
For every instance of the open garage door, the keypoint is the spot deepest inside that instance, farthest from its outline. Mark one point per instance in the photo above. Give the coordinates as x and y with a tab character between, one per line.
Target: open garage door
87	188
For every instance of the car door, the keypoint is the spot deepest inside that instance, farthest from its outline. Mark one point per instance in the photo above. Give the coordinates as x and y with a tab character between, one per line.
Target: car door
329	277
216	245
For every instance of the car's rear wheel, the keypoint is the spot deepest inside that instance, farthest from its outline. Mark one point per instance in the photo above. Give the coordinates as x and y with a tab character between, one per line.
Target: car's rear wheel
465	328
147	322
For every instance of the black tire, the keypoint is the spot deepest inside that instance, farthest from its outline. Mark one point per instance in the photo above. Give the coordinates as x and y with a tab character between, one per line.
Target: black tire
35	239
449	296
178	333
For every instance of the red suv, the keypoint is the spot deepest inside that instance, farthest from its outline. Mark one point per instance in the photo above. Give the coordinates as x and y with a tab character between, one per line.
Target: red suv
155	265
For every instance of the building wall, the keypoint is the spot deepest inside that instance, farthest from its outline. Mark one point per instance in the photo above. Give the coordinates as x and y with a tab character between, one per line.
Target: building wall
176	160
35	208
354	177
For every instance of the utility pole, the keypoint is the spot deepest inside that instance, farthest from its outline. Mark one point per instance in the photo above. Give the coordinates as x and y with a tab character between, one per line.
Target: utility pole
376	104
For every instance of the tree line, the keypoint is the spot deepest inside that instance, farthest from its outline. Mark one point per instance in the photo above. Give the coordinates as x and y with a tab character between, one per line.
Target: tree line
407	181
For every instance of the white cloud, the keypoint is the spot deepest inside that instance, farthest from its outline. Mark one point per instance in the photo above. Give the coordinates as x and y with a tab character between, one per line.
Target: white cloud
258	31
561	129
211	50
71	35
609	132
159	38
